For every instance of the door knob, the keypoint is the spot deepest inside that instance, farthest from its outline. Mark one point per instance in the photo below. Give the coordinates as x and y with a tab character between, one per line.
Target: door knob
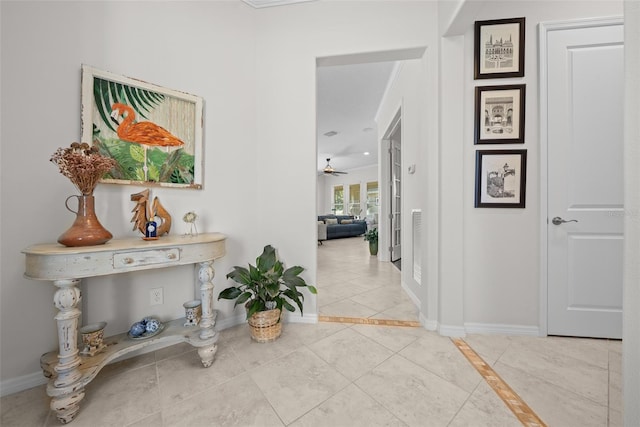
557	220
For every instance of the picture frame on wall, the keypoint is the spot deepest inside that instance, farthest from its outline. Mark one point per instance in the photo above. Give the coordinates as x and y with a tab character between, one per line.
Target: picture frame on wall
499	48
500	114
154	134
500	178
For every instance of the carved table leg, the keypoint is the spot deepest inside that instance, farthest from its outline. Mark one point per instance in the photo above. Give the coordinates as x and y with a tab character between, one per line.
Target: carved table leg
205	275
66	403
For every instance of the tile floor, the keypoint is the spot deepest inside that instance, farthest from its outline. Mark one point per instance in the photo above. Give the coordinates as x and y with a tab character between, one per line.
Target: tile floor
352	283
333	374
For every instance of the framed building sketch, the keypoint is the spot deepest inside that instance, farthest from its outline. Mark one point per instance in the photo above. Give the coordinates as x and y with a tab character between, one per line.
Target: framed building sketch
499	114
499	48
500	178
153	133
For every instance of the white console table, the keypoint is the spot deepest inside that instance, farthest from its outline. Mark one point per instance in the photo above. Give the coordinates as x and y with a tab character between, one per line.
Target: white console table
70	372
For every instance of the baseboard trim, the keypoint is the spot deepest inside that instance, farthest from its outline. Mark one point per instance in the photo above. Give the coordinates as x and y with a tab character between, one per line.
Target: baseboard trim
478	328
297	318
430	325
230	322
451	331
288	317
411	295
25	382
501	329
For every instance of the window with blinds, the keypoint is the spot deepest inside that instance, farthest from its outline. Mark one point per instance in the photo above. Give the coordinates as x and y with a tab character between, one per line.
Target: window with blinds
338	200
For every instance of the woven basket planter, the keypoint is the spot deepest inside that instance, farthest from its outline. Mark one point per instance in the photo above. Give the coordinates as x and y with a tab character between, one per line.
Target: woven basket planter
265	325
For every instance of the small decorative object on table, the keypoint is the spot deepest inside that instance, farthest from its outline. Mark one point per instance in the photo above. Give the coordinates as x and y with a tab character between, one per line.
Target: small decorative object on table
150	231
190	219
145	214
84	166
146	328
92	338
193	312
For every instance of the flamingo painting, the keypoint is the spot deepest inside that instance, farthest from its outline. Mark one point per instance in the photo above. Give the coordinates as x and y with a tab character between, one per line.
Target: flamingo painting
147	134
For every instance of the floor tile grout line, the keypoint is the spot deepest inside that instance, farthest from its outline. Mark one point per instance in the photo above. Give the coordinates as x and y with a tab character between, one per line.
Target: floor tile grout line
379	402
465	402
558	385
514	402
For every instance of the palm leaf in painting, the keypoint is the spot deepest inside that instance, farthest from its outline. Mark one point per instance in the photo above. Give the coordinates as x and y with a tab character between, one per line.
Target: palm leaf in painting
107	93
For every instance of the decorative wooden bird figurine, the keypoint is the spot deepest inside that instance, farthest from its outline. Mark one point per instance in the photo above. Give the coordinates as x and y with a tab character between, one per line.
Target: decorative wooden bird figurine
144	211
147	134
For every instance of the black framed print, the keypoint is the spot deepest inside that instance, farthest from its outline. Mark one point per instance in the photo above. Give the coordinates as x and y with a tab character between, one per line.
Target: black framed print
501	178
499	48
499	114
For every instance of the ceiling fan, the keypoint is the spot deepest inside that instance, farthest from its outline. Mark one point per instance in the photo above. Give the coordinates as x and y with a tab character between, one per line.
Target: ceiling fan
329	170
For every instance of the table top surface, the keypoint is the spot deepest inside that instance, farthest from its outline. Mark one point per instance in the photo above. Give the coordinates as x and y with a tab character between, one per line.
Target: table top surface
129	243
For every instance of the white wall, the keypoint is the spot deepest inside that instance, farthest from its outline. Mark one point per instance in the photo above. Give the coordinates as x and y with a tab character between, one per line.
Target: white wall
256	71
186	46
498	291
290	40
411	92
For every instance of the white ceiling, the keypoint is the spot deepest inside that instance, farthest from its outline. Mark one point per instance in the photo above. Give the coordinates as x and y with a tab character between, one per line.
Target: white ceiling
348	98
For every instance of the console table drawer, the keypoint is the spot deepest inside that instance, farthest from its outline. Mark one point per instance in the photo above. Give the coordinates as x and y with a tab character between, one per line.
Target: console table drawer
141	258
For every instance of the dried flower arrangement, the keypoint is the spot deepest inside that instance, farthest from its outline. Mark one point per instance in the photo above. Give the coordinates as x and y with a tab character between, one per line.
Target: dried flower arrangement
83	165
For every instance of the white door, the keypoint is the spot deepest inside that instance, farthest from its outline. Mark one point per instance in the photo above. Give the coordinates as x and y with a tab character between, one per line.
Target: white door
396	194
584	113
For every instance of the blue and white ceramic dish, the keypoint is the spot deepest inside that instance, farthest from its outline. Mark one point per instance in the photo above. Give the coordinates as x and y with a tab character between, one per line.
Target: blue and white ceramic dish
146	328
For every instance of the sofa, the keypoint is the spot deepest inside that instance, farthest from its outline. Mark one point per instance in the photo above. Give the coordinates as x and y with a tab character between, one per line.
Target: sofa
338	226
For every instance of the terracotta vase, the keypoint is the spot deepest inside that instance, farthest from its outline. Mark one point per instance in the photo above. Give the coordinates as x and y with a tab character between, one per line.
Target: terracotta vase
86	229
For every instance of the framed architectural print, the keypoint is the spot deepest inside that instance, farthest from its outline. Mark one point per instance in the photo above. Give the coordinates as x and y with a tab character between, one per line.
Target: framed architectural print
499	114
501	178
153	133
499	48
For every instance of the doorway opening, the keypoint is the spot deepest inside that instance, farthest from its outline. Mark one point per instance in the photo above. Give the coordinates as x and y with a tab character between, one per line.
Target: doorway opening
352	283
392	159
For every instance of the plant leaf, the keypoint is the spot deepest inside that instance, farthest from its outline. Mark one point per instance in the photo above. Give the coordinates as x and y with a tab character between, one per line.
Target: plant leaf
255	306
294	281
288	306
239	275
229	293
293	271
272	289
295	297
267	259
243	298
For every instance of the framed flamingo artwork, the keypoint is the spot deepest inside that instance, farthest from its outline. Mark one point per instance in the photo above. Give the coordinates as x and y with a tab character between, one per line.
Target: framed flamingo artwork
153	133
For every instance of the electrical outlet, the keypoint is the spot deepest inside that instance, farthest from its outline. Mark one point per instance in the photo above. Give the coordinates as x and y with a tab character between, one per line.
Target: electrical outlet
155	296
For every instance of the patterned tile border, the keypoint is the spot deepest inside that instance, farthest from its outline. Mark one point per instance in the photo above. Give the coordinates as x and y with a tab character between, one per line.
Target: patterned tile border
520	409
369	321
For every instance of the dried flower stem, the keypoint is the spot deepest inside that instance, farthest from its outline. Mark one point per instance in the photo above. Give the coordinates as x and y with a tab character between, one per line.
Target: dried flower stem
83	165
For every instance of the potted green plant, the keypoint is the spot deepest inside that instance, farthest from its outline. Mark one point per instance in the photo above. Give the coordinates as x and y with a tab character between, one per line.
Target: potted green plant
265	289
371	236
